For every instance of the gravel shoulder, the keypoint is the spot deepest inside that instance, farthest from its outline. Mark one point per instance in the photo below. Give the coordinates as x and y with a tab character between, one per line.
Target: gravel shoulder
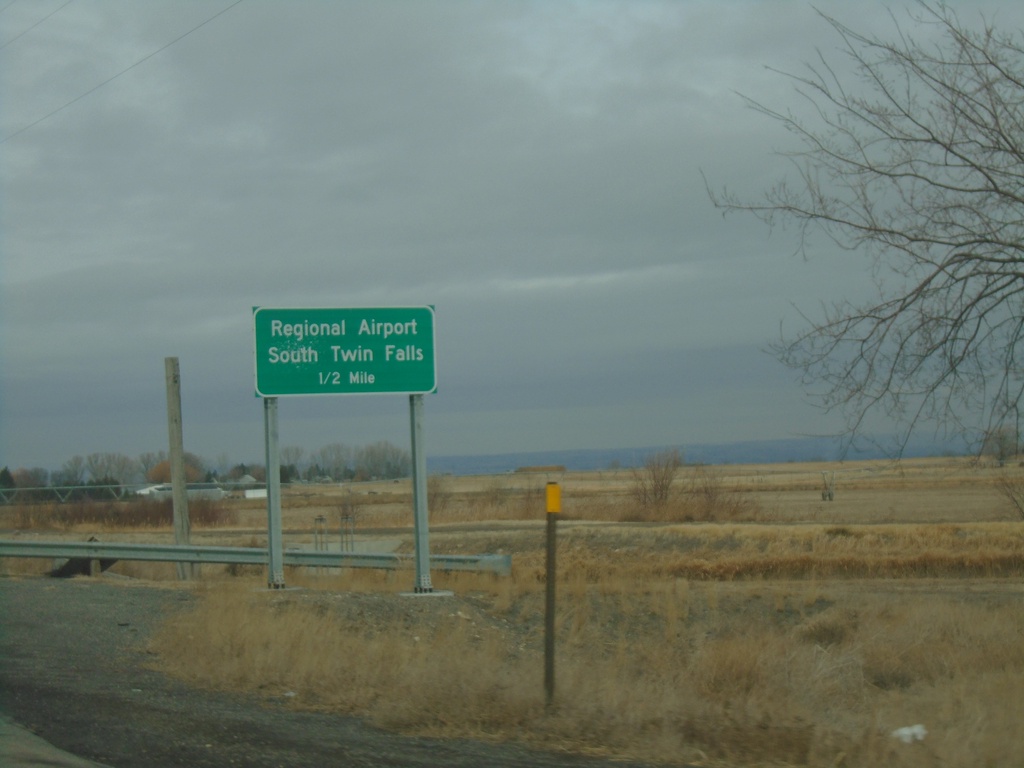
20	748
74	673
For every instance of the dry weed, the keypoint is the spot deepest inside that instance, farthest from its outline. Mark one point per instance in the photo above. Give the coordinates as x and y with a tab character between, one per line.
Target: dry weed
117	515
721	639
702	497
1010	484
659	671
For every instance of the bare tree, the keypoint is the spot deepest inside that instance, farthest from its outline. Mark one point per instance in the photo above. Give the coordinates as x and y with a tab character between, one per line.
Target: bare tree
34	477
334	460
222	464
111	466
195	470
916	161
291	459
1000	444
149	459
1010	485
652	483
71	473
292	454
382	460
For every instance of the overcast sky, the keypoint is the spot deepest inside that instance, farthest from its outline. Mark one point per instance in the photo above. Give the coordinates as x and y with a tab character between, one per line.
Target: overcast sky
531	169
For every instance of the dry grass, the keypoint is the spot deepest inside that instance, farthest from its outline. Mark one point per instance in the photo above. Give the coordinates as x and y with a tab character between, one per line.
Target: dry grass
761	673
744	621
116	515
755	551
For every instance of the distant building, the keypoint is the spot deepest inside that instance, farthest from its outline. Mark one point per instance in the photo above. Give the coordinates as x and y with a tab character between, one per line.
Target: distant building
207	491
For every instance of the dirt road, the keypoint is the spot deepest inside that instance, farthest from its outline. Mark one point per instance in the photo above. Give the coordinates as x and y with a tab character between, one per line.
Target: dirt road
74	673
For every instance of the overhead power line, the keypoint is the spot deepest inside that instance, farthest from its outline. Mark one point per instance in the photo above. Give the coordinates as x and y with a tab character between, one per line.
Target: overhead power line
26	31
95	88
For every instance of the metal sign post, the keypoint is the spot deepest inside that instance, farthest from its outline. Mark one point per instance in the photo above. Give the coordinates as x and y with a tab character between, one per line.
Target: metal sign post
275	545
419	496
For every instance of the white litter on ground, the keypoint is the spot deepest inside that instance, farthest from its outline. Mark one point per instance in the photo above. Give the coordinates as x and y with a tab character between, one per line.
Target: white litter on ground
910	733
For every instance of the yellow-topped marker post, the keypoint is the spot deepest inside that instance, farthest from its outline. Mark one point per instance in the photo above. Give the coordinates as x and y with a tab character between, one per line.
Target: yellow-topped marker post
553	496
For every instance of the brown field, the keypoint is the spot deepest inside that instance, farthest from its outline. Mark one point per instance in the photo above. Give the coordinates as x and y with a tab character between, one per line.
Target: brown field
745	621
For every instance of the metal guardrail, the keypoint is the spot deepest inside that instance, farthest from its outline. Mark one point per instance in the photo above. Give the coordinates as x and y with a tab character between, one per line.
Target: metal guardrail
65	493
96	550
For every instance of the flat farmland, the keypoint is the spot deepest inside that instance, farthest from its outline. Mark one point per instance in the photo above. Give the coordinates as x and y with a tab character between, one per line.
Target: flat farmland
742	620
910	491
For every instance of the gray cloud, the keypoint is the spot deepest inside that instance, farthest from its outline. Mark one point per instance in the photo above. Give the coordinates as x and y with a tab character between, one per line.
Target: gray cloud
532	169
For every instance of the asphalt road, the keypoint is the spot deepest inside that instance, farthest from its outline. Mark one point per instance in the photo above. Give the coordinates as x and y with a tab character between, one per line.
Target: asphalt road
73	673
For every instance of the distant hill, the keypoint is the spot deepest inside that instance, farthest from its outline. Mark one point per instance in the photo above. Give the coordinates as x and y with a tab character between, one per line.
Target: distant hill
751	452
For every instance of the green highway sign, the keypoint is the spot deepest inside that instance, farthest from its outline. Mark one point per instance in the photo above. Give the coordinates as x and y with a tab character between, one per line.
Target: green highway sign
344	351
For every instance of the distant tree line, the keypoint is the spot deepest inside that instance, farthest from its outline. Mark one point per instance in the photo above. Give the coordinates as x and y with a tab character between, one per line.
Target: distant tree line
335	462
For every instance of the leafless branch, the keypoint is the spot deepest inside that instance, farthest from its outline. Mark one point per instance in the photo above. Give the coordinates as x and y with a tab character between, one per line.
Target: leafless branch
918	164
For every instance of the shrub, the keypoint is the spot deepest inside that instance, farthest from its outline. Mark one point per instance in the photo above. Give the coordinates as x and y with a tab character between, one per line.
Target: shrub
439	492
706	499
1011	486
652	483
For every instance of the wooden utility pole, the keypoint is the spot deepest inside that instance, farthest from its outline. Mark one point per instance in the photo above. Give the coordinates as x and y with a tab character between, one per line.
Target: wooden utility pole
179	490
